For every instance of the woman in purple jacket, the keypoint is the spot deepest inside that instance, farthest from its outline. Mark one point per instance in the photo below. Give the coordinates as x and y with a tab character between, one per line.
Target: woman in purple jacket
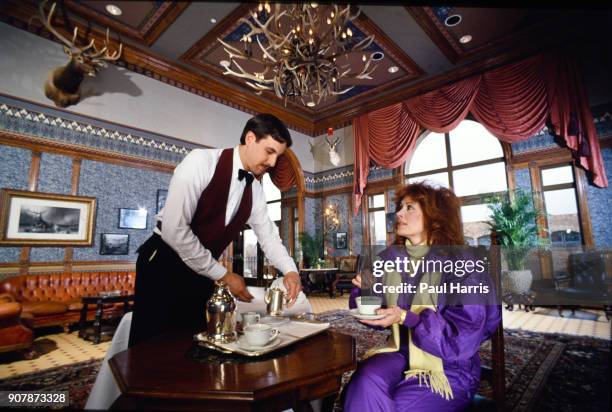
431	360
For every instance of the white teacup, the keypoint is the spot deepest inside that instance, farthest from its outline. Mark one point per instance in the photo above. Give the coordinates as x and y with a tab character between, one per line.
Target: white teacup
367	305
260	334
250	318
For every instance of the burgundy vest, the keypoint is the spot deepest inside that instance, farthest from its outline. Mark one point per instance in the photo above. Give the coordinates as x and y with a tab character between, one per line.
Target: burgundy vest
208	222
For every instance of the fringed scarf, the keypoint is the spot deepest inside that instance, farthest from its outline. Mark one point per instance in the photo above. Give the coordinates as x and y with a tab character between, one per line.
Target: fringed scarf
427	367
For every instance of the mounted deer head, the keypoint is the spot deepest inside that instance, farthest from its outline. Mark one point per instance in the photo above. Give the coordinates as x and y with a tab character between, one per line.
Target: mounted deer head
62	85
334	157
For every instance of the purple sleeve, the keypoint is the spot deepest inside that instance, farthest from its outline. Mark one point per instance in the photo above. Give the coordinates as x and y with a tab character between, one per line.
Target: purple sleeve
453	332
412	319
354	294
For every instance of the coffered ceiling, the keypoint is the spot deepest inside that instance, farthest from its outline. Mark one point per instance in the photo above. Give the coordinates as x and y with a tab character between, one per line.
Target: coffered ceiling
419	48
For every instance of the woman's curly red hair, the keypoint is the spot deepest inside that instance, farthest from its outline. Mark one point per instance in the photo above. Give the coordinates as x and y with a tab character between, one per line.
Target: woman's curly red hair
441	212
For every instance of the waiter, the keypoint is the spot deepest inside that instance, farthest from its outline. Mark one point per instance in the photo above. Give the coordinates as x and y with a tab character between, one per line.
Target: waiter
211	196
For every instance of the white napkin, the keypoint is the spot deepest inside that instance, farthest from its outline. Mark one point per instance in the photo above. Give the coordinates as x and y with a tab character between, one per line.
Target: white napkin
258	304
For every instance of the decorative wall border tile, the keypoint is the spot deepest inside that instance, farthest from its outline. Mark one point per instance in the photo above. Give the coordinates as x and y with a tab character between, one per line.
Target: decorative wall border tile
69	128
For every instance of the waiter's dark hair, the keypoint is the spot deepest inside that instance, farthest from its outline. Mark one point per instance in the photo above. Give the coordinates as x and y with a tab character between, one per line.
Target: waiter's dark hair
265	124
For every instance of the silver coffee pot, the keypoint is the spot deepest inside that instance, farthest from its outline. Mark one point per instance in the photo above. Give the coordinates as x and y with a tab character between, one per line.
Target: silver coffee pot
221	315
274	298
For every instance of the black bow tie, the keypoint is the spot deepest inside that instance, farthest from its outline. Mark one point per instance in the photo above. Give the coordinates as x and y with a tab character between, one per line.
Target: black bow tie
243	173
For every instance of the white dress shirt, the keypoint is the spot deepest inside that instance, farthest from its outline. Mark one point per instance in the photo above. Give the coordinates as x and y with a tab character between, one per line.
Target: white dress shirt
190	179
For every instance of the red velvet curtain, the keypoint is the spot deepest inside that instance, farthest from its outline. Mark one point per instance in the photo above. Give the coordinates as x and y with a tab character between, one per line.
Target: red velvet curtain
513	102
282	174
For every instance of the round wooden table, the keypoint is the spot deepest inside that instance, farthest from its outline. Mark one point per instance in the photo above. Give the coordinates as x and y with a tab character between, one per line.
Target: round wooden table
160	374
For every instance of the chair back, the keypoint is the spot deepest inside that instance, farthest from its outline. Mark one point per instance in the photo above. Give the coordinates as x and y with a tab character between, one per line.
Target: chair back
587	270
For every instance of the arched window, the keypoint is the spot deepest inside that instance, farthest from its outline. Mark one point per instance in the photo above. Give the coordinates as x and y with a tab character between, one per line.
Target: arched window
469	160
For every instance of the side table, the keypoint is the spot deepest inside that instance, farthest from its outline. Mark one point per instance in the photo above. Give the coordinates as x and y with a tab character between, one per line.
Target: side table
95	334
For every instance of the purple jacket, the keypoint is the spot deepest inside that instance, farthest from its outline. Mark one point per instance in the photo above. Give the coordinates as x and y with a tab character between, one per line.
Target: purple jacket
461	323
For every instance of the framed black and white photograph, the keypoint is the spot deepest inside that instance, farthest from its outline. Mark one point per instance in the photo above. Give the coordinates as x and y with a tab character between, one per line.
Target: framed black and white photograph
390	220
132	218
114	244
162	194
341	240
45	219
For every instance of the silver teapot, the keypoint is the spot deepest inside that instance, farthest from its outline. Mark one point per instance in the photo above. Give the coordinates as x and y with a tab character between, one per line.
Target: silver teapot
274	298
221	315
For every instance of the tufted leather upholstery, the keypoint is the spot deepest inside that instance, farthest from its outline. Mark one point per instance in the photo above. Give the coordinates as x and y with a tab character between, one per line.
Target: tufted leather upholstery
55	298
13	334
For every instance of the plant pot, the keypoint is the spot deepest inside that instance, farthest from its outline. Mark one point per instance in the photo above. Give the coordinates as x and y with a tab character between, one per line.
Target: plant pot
517	281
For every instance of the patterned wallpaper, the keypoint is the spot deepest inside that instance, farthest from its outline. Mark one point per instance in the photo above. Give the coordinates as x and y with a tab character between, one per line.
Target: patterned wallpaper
600	206
14	171
117	187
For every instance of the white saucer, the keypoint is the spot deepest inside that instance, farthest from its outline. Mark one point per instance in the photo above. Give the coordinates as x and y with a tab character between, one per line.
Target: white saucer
243	344
275	320
355	313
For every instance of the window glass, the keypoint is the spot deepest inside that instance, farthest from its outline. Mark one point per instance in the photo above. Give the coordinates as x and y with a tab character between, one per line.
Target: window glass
271	192
376	201
475	227
562	215
471	142
378	234
430	154
557	175
480	179
435	179
250	254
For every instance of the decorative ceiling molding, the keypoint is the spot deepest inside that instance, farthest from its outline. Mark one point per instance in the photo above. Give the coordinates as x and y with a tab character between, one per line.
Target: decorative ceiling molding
155	25
194	57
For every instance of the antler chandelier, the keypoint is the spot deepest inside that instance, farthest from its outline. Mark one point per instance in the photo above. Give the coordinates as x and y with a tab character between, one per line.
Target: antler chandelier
304	51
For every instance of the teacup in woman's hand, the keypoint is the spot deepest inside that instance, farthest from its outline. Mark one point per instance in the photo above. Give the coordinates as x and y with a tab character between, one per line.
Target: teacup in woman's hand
368	305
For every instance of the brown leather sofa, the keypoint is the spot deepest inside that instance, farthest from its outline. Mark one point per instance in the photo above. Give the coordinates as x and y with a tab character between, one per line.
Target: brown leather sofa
14	335
52	299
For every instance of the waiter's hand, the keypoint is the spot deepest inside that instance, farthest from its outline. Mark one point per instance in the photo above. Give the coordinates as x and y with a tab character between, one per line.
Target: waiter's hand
237	286
292	283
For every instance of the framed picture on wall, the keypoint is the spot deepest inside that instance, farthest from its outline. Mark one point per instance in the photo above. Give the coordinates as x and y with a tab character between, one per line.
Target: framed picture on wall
114	244
390	220
341	240
161	199
45	219
132	218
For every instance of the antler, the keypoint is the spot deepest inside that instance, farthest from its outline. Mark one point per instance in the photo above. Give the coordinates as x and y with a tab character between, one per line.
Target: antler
96	57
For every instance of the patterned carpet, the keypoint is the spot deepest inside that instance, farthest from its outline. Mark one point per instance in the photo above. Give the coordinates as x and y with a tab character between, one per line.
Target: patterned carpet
544	372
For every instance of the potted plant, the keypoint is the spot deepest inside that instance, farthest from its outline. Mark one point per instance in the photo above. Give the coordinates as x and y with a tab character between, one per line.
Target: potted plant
515	224
311	248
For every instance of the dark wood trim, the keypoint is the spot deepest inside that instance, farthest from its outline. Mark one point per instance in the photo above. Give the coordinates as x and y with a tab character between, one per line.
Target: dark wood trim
584	215
76	176
68	254
148	37
422	19
559	186
542	157
66	149
24	261
412	69
76	265
166	20
538	197
34	171
350	202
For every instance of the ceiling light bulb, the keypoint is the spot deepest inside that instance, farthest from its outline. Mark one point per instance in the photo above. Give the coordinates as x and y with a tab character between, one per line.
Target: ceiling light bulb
254	15
393	69
310	31
114	10
349	32
213	20
313	5
310	41
332	14
260	8
343	35
267	7
224	63
363	58
465	39
311	104
334	79
328	21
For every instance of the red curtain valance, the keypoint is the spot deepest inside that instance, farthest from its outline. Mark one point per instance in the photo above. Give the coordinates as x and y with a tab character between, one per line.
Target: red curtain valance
282	174
513	102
